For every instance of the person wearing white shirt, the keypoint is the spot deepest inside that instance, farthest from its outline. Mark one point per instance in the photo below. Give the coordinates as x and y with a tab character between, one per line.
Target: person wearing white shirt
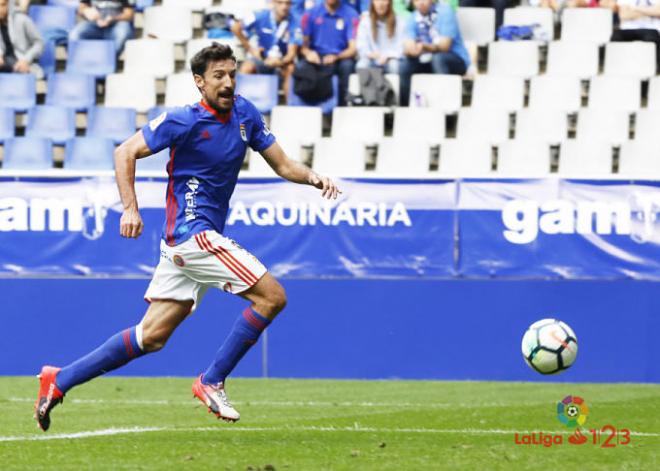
380	38
639	21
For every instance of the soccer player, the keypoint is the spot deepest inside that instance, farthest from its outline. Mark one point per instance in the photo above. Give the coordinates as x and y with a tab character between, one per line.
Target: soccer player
208	142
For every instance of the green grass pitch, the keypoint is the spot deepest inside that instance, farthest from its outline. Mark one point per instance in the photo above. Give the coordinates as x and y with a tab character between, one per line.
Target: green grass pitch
154	423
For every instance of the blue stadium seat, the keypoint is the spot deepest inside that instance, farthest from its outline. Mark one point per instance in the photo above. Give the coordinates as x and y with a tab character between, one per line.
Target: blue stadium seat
154	162
47	60
66	3
326	106
92	56
72	90
28	153
18	91
117	124
50	17
140	5
7	124
259	89
89	153
53	122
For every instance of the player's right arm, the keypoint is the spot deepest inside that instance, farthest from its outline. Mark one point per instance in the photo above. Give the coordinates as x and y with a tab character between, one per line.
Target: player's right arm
135	147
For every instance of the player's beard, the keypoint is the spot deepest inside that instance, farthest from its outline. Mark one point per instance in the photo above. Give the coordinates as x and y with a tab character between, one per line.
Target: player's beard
226	96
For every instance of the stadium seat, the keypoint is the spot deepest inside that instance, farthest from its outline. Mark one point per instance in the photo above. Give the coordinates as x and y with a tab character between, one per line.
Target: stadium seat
403	157
326	106
149	57
95	57
523	158
295	126
585	158
424	124
487	124
438	91
465	158
615	93
640	158
117	124
611	127
67	3
53	122
524	15
193	46
366	124
577	59
339	157
587	24
257	166
72	90
555	93
154	163
653	101
239	8
48	60
131	91
504	93
393	79
171	23
49	17
140	5
89	153
18	91
192	5
630	59
180	90
7	124
260	89
549	126
477	24
513	58
647	125
28	153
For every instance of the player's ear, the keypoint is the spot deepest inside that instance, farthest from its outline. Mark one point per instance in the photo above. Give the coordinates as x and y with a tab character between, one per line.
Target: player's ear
199	80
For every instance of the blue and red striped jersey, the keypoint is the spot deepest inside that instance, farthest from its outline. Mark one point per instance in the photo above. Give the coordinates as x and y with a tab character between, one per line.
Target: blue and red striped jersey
206	153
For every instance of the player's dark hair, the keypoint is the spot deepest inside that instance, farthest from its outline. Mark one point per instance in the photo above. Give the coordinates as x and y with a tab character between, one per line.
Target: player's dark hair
214	52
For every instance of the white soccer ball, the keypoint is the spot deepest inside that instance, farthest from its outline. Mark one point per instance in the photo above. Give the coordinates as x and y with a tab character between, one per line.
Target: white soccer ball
549	346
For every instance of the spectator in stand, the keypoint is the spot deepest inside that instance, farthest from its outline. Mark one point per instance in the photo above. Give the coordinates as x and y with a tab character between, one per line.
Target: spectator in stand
328	32
639	20
558	6
433	44
380	38
299	6
277	32
105	19
20	41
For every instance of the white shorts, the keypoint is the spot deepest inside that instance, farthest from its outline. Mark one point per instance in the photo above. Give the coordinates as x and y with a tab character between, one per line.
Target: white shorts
207	259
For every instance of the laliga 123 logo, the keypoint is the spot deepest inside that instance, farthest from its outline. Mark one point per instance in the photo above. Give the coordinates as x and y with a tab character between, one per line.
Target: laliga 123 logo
573	411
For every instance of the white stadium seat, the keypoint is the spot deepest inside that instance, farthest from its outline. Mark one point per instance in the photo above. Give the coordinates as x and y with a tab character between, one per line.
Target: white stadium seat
403	157
573	59
615	93
630	59
424	124
640	158
339	157
130	91
487	124
504	93
647	125
611	127
465	158
550	126
172	23
523	158
532	15
582	158
439	91
192	5
476	24
587	24
257	166
193	46
364	123
149	57
555	93
296	126
180	90
653	101
513	58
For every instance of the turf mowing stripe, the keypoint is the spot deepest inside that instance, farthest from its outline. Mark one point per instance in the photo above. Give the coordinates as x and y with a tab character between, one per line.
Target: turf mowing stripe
356	428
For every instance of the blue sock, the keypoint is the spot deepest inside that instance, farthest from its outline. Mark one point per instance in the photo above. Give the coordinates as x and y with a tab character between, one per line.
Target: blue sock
115	352
243	335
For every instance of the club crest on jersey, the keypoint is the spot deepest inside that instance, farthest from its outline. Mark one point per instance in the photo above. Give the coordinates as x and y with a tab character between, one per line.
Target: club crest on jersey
178	260
243	132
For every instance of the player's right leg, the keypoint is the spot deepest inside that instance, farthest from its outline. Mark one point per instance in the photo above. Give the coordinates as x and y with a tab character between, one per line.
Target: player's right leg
161	319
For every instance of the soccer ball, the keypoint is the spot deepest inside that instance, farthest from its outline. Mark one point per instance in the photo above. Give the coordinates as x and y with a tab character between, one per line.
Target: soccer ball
549	346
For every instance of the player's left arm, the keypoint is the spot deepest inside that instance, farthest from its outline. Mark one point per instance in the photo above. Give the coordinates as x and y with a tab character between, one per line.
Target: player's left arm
296	172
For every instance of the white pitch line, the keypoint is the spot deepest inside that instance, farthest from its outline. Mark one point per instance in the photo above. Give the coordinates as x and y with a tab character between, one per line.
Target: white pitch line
232	429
